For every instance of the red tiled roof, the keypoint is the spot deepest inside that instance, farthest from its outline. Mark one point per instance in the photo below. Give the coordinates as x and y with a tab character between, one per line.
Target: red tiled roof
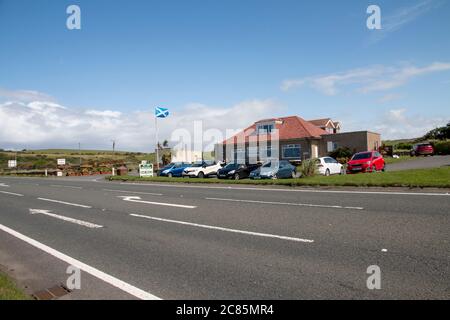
288	128
320	122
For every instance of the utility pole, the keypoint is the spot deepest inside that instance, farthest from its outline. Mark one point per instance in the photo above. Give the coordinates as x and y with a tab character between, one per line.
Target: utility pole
79	152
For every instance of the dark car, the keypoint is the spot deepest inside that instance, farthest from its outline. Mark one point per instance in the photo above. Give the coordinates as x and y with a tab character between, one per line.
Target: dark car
422	149
369	161
236	171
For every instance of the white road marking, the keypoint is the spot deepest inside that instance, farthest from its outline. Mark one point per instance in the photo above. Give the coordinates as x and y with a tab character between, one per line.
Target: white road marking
291	190
12	193
59	186
128	288
137	192
4	185
67	203
287	203
267	235
76	221
138	200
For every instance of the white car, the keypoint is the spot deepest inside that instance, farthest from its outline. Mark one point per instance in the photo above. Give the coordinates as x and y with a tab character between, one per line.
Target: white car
202	169
328	166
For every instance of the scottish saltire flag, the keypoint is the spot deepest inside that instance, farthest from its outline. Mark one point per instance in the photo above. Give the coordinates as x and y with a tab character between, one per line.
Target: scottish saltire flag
161	112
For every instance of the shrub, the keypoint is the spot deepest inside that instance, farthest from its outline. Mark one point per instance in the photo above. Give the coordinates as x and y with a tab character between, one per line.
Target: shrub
404	146
342	154
442	147
308	168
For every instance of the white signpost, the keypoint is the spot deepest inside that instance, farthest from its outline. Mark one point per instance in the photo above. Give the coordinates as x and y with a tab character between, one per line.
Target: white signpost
61	162
146	170
12	163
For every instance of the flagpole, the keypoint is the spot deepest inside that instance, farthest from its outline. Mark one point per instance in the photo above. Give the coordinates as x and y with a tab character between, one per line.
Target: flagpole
157	145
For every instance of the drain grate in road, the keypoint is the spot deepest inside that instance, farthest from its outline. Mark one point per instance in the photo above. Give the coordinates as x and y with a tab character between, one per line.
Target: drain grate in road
52	293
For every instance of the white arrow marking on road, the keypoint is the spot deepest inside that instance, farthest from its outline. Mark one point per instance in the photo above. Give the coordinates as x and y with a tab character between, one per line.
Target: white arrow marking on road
80	222
4	185
138	199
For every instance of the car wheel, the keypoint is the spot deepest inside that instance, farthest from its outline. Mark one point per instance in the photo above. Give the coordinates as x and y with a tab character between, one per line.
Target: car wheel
170	175
201	175
327	173
236	176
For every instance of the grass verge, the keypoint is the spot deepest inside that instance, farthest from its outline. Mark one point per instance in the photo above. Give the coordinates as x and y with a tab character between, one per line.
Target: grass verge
9	290
417	178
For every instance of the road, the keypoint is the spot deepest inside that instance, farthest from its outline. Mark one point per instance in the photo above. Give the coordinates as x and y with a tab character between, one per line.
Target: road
420	163
172	241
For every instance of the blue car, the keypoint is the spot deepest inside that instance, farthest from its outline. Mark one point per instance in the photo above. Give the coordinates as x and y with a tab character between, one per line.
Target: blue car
174	169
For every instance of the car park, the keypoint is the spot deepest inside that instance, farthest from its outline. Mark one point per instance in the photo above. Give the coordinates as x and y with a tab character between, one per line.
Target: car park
369	161
422	149
236	171
274	169
202	169
328	166
174	169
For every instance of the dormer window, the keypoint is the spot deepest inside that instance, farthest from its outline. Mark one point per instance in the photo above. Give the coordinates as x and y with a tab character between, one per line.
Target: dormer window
266	128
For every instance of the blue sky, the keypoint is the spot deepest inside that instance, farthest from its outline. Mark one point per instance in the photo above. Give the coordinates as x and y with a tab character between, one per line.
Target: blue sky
314	59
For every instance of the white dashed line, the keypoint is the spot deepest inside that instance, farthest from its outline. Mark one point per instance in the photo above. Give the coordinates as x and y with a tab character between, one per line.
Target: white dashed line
288	203
266	235
67	203
136	192
12	193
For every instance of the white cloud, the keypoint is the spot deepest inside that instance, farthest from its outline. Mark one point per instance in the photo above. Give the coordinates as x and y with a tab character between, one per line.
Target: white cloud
398	123
25	95
49	125
365	80
401	17
106	113
389	97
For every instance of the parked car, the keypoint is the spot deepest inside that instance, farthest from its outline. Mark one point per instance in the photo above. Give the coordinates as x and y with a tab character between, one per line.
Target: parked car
236	171
369	161
202	169
174	169
422	149
274	169
327	166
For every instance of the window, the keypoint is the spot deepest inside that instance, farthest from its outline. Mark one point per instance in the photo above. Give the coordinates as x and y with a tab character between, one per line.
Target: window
331	146
291	151
265	152
265	128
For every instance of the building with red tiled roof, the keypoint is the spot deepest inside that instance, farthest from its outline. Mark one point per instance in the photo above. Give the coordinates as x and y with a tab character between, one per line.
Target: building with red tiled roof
292	138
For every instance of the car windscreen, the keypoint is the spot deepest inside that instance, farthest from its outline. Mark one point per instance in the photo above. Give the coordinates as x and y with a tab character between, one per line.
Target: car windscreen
231	166
270	164
360	156
170	165
197	164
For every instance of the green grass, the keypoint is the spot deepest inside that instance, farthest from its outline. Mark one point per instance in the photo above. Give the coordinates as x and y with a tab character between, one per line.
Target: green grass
421	178
9	290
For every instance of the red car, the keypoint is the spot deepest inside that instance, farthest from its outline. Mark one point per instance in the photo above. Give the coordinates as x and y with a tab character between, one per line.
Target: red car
369	161
422	149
